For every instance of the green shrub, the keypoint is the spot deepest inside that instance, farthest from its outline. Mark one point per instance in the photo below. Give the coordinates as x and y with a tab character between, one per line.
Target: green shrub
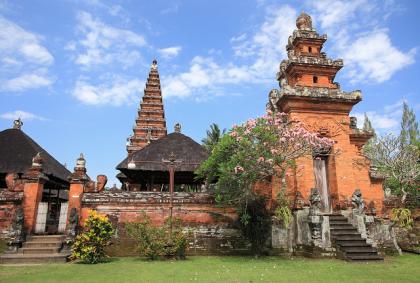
283	212
402	216
157	242
256	225
89	246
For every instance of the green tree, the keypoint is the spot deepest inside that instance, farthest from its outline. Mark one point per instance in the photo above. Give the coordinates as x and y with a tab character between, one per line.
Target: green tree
409	126
367	127
213	137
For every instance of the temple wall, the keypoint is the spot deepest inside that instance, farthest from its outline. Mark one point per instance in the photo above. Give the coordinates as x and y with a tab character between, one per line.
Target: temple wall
213	230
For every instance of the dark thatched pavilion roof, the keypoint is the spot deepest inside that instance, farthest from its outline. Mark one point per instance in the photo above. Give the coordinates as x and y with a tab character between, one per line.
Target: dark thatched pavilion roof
150	157
17	150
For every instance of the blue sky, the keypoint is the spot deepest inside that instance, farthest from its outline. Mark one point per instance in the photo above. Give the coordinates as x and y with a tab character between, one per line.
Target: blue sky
75	70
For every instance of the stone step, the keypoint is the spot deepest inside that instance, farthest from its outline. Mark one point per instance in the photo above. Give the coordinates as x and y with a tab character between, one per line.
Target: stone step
39	250
367	254
343	228
349	237
33	258
372	257
337	218
362	249
46	238
358	243
347	232
42	245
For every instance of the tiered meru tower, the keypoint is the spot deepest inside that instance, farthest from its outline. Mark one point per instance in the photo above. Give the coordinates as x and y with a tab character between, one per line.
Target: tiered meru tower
310	96
150	123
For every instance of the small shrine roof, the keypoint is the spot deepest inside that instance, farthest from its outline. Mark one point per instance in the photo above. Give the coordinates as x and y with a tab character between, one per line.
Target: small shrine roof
17	150
150	158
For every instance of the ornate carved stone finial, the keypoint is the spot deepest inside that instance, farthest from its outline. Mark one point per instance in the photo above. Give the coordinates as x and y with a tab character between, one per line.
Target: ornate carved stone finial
273	98
17	124
128	141
304	21
101	181
37	161
149	135
177	128
353	123
11	181
81	162
154	64
357	202
315	201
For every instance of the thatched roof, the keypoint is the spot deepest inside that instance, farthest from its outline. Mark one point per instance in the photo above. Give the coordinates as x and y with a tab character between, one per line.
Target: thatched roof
150	157
17	150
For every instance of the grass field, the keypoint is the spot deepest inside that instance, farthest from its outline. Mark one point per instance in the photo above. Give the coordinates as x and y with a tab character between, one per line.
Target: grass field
404	268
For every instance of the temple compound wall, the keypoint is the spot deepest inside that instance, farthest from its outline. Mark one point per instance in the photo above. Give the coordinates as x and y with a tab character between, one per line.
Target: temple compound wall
212	230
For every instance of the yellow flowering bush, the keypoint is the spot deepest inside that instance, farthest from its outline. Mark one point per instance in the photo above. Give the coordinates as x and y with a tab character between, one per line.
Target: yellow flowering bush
89	246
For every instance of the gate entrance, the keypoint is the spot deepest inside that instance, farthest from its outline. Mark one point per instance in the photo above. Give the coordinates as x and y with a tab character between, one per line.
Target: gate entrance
321	182
52	212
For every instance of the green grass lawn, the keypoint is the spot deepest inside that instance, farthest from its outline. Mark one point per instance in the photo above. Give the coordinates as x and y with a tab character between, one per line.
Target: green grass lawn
404	268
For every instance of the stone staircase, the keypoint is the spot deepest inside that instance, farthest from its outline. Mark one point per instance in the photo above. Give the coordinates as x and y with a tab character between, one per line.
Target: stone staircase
349	243
38	249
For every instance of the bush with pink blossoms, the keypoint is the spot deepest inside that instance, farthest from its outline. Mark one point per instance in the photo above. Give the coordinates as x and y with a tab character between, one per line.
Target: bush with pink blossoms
253	152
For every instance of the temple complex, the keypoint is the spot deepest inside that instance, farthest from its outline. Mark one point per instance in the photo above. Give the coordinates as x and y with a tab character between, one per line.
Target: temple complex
336	195
309	94
150	123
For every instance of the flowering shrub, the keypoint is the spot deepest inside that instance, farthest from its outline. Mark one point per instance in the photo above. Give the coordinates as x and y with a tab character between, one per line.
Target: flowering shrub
256	150
89	246
156	242
253	152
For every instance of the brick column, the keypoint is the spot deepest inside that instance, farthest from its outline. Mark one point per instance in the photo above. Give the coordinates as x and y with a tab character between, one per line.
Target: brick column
78	180
34	180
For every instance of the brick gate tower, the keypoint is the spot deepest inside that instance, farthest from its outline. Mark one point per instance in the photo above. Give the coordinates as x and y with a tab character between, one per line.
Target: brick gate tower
310	96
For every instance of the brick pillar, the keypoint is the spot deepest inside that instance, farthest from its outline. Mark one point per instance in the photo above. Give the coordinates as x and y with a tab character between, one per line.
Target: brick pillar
34	180
78	181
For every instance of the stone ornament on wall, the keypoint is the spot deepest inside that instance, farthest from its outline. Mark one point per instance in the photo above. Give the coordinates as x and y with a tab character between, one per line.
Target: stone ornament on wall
17	235
101	181
358	202
328	128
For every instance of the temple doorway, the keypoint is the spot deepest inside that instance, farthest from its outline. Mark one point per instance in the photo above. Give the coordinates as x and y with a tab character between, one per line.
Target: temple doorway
321	182
52	211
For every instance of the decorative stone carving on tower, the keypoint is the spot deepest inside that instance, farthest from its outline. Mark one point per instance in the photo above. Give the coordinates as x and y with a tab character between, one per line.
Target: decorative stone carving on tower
17	124
177	128
304	21
150	124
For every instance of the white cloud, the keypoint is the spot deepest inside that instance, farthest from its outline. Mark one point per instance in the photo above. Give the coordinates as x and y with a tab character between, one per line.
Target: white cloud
373	57
103	44
117	93
25	116
380	121
21	44
173	8
264	50
25	82
24	59
357	35
170	52
387	120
